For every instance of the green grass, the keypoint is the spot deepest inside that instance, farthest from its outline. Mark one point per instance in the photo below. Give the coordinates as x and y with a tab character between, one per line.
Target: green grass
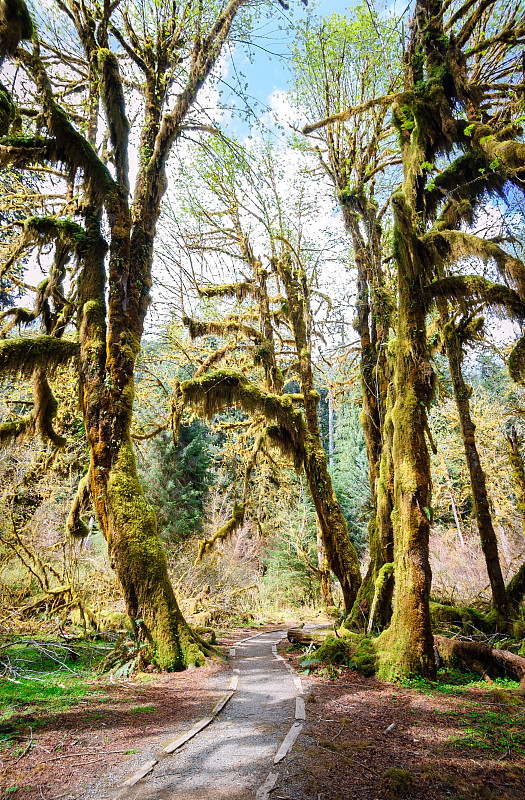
454	682
142	709
42	679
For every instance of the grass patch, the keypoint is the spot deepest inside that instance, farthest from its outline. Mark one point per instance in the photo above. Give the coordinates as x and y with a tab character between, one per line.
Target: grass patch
42	678
142	710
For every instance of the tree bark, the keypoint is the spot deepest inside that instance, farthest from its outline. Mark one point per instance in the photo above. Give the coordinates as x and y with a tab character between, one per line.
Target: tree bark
487	534
406	648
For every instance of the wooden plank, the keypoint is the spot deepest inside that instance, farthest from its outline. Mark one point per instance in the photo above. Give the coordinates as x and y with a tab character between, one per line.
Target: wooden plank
140	773
232	652
221	703
274	649
289	742
234	682
300	709
187	735
263	792
298	683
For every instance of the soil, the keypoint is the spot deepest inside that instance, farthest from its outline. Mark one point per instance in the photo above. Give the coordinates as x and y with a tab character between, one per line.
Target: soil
358	733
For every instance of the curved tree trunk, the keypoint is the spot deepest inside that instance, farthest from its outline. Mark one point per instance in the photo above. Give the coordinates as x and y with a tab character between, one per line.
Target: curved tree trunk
340	553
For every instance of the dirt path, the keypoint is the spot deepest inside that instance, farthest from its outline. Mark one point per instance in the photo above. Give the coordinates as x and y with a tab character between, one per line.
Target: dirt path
233	756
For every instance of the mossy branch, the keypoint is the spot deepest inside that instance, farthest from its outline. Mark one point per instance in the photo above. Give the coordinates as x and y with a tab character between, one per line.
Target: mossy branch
198	329
21	356
236	520
468	289
453	246
75	526
22	151
225	388
240	290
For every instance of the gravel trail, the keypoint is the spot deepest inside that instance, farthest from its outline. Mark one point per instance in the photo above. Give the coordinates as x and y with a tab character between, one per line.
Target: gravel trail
234	755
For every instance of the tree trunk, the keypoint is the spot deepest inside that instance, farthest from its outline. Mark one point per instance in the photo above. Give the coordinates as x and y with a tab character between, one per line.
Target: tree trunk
518	472
489	542
322	562
340	553
372	330
406	648
127	521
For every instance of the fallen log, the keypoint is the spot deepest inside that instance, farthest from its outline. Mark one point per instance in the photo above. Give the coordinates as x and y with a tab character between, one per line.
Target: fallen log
482	658
298	636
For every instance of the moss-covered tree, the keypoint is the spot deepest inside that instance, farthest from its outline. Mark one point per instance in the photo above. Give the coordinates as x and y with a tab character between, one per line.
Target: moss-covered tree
340	62
150	70
270	317
458	116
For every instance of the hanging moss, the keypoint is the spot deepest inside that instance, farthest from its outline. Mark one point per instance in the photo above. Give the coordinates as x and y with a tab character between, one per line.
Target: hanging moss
469	289
75	526
516	362
198	329
453	246
240	290
235	522
225	388
21	356
45	409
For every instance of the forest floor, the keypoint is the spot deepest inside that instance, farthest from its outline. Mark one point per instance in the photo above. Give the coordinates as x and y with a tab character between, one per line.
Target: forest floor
361	738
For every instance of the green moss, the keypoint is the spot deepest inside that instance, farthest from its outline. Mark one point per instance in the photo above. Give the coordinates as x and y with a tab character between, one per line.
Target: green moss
136	550
364	659
397	783
333	650
235	522
22	355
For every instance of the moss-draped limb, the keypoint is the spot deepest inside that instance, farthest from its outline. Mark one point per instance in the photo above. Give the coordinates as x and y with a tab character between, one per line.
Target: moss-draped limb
455	245
23	151
75	525
227	388
69	145
21	356
465	290
221	389
236	521
466	180
198	329
240	290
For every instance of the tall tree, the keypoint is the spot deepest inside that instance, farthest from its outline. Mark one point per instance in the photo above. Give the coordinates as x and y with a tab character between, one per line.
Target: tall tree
457	115
341	62
145	62
244	209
